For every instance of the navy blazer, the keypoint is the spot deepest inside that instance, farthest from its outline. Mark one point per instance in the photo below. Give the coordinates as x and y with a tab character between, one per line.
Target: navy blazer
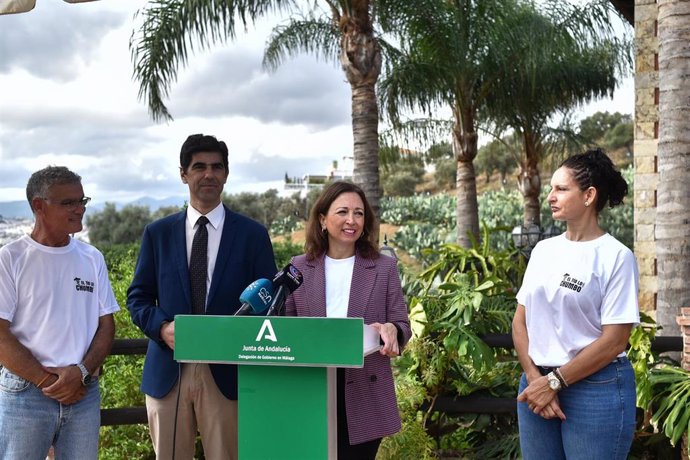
375	295
161	289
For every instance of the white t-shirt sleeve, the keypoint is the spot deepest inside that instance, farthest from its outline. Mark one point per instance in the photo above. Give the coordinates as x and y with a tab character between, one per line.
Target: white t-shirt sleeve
620	302
531	276
107	303
8	291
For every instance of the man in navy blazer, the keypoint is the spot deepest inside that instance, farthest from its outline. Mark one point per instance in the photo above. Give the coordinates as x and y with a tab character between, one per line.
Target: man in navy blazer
200	397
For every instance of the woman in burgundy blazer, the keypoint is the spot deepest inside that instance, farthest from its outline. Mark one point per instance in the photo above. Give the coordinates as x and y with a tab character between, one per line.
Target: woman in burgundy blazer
344	275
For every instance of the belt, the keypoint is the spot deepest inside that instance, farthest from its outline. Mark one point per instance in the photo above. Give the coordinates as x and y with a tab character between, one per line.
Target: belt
543	370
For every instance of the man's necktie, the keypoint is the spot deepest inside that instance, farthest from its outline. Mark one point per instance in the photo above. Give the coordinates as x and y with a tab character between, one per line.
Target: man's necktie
198	267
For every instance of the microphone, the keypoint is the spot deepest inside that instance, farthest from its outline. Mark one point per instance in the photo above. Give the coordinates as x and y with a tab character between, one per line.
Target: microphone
288	279
255	298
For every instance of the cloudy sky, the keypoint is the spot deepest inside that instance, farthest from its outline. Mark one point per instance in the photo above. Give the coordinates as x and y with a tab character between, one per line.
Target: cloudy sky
67	97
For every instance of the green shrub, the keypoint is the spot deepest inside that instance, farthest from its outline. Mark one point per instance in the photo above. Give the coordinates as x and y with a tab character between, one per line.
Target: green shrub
430	209
121	376
663	392
286	250
285	226
464	294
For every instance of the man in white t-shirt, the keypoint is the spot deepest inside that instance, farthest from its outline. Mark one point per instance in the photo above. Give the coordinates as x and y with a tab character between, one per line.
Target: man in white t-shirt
56	327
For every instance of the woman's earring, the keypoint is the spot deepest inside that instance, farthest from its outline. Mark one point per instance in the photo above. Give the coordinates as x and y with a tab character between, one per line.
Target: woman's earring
586	203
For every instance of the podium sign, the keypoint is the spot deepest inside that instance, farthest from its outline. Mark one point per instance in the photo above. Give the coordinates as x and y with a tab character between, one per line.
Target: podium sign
274	340
286	391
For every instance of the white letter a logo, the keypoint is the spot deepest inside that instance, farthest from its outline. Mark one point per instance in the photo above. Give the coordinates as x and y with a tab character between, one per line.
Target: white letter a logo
266	332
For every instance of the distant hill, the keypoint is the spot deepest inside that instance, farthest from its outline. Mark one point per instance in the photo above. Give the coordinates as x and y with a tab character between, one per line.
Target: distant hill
21	210
16	210
153	203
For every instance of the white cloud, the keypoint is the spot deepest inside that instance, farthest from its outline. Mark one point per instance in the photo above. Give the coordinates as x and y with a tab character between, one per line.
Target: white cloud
67	97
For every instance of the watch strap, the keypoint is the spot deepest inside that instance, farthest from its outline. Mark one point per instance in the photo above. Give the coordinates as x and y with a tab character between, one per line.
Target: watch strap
554	382
85	375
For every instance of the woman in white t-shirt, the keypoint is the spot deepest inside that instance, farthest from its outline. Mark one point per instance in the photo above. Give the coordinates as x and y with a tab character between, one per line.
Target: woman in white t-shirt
576	308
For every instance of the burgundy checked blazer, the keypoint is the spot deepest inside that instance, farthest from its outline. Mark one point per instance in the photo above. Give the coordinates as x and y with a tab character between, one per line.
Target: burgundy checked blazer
376	296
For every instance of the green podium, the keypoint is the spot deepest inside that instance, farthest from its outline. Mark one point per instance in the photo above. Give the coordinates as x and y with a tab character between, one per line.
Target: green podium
286	376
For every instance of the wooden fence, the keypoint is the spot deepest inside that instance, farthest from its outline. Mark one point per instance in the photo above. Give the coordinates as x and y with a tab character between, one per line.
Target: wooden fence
459	405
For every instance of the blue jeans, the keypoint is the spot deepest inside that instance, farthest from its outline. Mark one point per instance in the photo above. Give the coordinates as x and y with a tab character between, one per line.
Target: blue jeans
599	424
31	422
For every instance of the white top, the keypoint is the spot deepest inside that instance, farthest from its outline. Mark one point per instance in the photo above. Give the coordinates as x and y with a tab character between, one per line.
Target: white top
338	281
216	220
571	289
53	297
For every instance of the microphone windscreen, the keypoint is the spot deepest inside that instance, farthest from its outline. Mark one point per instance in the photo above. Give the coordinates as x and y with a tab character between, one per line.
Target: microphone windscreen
289	276
258	294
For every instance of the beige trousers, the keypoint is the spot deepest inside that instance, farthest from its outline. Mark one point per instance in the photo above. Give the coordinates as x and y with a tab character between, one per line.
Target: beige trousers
202	407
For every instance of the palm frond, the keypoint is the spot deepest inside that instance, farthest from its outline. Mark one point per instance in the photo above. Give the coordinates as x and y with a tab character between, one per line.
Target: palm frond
313	35
422	131
171	29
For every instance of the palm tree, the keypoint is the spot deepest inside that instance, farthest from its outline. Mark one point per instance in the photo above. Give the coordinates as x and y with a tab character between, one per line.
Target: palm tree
672	230
497	61
171	29
447	49
348	33
568	55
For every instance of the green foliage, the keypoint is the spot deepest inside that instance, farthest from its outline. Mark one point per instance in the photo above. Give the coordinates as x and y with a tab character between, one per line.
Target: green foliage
497	271
431	209
266	207
642	358
111	226
500	156
621	135
465	294
165	211
411	443
121	376
663	391
416	238
596	127
403	181
285	226
440	151
671	401
285	250
445	174
401	170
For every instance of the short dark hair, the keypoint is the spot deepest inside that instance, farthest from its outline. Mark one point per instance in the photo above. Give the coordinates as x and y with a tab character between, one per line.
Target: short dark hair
594	168
316	243
42	180
202	143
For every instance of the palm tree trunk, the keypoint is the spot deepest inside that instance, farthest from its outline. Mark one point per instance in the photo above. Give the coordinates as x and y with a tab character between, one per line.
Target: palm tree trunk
465	149
360	57
529	182
672	231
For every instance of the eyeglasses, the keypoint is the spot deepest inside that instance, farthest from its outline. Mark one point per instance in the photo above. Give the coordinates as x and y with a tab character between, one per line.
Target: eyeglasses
71	205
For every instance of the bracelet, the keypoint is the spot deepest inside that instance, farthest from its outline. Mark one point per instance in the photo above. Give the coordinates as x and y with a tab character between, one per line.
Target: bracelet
557	372
38	385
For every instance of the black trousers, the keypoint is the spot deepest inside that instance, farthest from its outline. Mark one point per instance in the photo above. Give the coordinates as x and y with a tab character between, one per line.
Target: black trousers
346	451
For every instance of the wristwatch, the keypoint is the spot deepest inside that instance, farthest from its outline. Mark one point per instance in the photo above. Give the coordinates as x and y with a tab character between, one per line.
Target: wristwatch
554	383
85	376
